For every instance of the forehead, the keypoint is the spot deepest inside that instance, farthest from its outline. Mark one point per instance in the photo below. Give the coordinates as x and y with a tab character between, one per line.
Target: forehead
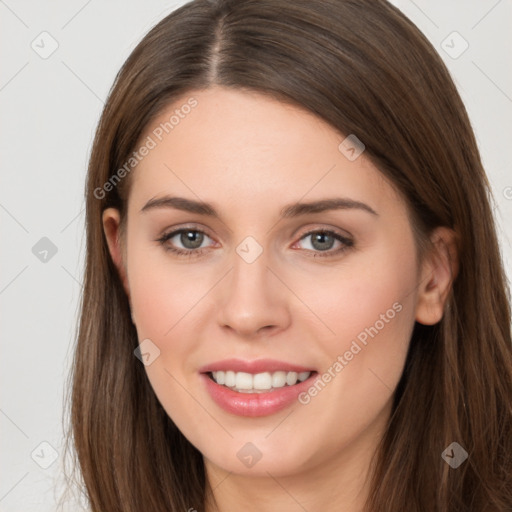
237	146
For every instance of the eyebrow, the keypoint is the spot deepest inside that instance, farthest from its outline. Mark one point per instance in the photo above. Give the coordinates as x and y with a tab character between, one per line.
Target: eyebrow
288	211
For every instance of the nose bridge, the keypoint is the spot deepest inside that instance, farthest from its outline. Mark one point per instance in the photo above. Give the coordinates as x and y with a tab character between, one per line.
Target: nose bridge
250	272
250	278
252	297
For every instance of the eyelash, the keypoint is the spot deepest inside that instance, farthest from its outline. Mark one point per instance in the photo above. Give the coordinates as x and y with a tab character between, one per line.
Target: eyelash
347	243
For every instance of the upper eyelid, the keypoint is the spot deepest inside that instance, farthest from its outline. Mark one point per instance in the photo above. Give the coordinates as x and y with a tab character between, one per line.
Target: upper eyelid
171	233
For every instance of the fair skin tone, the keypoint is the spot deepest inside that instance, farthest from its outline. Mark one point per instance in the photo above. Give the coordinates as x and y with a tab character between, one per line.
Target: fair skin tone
249	156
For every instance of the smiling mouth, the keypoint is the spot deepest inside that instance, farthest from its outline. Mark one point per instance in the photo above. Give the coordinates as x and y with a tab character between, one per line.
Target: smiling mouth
265	382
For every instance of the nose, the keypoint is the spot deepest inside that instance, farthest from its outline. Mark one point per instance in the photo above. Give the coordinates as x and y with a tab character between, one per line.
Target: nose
253	301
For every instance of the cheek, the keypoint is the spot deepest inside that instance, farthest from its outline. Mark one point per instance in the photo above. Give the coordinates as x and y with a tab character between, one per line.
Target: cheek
373	291
373	318
162	293
169	301
166	298
371	311
378	299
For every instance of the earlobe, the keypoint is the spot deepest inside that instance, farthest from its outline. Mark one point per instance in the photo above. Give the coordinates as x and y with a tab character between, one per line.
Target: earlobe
111	226
439	269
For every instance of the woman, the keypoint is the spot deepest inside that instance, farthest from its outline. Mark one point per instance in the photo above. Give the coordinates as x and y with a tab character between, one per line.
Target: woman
293	294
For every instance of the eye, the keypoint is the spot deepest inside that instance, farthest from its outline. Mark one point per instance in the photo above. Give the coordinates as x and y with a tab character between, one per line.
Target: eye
191	239
323	240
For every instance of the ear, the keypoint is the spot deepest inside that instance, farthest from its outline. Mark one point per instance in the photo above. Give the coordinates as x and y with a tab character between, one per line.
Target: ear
439	269
111	226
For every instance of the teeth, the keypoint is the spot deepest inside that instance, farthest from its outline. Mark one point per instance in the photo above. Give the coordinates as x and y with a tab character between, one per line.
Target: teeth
220	377
304	375
243	380
291	378
278	379
266	381
229	379
262	381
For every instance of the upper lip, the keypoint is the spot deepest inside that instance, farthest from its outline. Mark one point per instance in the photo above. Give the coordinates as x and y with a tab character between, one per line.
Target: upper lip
255	366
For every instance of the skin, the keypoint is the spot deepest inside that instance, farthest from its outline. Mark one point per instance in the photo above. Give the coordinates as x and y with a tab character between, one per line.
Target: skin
250	155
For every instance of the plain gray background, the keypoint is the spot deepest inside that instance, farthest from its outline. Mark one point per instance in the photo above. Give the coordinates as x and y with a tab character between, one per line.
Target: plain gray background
50	105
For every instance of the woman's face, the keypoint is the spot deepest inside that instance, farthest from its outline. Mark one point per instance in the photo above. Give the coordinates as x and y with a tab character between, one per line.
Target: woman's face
303	313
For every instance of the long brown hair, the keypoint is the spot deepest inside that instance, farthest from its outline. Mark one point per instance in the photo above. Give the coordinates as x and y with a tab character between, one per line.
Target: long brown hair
363	67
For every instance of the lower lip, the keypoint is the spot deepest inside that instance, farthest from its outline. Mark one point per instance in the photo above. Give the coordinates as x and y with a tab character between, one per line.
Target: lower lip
255	404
